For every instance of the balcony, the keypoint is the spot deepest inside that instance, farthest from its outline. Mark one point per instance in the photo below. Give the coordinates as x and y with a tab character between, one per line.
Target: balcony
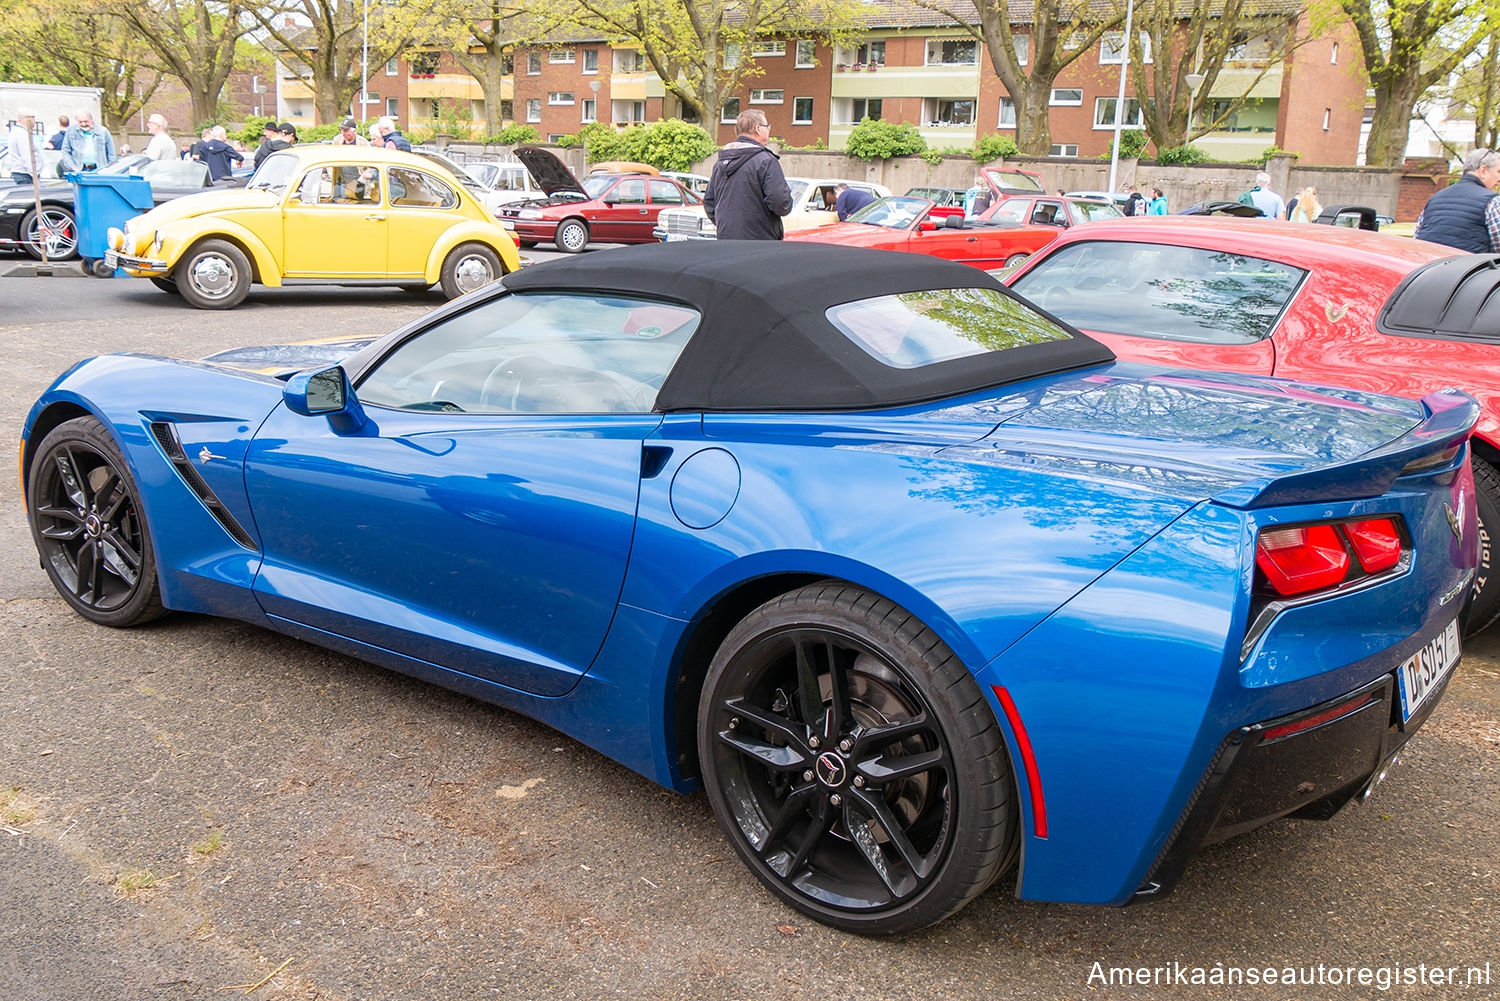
887	81
458	86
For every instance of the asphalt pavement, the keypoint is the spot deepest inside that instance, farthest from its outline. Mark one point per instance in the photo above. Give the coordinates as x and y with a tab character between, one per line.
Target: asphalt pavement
199	804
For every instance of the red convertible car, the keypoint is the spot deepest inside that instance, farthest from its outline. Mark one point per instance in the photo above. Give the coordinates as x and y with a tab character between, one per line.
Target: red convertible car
1326	304
1049	210
912	225
603	208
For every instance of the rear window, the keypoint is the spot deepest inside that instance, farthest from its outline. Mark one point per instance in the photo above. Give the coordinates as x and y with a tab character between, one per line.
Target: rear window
914	329
1171	293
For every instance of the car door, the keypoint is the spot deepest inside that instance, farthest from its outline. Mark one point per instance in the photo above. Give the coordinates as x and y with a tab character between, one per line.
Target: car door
422	208
480	518
334	224
664	194
623	213
1170	305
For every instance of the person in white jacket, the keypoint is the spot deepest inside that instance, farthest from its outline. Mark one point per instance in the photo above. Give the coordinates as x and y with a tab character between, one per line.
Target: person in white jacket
161	146
23	152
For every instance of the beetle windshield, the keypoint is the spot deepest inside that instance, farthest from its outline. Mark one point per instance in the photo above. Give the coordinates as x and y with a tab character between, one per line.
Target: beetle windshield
274	173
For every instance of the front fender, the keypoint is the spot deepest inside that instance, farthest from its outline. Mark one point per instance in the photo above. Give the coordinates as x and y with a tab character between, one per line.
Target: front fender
179	236
492	236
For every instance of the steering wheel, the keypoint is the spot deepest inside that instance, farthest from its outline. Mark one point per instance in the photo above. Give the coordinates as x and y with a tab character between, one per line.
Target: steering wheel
531	384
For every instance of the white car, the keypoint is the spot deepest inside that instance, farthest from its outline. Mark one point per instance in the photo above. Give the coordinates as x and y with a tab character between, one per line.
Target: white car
812	206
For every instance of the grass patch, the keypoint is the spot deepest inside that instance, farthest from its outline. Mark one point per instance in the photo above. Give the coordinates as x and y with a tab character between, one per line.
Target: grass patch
16	808
135	882
210	844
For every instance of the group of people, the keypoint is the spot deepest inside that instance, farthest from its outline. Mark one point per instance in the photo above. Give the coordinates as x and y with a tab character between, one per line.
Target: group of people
1138	204
84	145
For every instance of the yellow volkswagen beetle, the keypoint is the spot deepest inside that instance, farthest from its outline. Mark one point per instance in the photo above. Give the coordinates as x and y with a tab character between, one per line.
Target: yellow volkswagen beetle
334	215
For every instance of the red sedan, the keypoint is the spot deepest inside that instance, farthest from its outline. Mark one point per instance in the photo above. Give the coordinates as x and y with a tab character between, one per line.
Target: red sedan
603	208
1294	300
910	224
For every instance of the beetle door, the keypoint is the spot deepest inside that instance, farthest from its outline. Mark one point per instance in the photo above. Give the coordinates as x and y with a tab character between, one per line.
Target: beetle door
334	225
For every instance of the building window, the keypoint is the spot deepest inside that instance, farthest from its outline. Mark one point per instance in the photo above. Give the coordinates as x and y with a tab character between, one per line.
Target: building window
637	111
1022	44
731	55
1072	41
507	63
1104	113
391	69
1064	149
1333	57
865	108
560	56
507	111
589	104
554	137
591	60
806	54
1067	97
1327	118
1007	113
424	64
768	97
533	109
941	111
802	110
1112	48
730	112
533	64
392	108
768	48
371	97
560	97
952	52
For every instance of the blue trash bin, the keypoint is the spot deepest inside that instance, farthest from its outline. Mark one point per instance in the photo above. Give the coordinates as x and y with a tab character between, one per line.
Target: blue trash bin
101	201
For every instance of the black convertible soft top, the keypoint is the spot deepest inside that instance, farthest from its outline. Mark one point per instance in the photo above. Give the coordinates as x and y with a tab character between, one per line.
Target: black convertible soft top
765	343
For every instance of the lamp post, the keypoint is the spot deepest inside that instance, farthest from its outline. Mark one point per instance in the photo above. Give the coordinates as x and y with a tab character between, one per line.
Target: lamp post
1194	81
364	67
594	85
1114	155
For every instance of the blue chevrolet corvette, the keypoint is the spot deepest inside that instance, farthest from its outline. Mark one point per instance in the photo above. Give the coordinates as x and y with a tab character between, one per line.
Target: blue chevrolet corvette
914	580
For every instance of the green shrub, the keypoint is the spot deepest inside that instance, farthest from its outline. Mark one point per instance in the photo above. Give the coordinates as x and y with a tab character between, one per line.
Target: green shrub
880	140
513	135
317	133
1270	151
995	148
254	130
670	144
1181	154
1133	143
569	142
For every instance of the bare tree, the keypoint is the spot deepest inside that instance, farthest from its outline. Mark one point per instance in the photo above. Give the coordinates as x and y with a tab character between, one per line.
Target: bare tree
195	40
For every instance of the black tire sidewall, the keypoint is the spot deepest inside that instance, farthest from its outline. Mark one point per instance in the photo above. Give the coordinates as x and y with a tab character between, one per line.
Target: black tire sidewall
145	603
1484	601
563	227
237	260
983	841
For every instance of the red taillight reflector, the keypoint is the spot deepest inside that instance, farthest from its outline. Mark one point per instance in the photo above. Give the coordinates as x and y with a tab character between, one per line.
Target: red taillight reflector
1028	762
1376	543
1327	716
1298	560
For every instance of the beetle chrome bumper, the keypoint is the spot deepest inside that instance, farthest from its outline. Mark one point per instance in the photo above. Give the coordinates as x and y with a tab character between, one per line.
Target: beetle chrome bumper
141	265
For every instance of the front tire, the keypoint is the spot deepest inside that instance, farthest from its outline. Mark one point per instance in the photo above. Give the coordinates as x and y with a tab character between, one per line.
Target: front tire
214	274
55	228
852	761
1484	599
166	285
469	267
572	236
86	520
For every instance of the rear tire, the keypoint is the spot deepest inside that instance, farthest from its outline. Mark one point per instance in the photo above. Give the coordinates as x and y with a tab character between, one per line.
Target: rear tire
57	230
214	274
1015	260
88	526
468	268
1484	599
853	762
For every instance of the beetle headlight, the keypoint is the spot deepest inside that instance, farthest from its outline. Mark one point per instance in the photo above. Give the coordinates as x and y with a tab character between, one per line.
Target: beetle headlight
114	238
156	242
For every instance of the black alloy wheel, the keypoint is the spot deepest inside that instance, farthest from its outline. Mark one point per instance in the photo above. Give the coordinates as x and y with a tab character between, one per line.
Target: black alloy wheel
1484	599
86	521
853	762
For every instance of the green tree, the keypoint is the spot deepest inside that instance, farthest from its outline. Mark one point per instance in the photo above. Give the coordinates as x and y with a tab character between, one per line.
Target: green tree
700	49
196	41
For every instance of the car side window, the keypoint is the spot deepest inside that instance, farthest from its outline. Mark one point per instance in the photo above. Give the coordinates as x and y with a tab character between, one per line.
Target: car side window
536	353
341	186
632	192
665	192
419	189
1012	210
1163	292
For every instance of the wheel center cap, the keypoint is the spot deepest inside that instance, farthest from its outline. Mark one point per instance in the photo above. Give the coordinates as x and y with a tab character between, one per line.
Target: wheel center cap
93	526
830	769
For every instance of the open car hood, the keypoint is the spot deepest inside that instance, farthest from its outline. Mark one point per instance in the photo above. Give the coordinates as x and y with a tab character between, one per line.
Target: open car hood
548	172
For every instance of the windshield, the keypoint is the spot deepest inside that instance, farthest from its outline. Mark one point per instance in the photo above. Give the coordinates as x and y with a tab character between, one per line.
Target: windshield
1090	211
594	186
274	173
892	212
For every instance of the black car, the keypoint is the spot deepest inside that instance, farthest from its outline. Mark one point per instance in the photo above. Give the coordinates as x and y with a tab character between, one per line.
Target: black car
55	225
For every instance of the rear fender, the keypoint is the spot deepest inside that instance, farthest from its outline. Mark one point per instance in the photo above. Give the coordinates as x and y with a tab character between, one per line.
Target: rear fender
491	236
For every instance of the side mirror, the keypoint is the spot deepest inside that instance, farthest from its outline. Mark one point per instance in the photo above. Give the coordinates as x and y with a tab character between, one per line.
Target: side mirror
928	225
325	393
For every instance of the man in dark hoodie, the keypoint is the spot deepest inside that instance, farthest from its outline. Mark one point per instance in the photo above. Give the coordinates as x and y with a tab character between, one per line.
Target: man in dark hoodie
748	194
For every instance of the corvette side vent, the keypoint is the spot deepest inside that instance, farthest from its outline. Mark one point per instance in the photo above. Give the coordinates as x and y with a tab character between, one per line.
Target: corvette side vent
166	437
1457	298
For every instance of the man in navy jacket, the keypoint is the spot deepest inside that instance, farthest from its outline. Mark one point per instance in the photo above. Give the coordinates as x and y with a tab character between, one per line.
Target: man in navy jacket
1466	215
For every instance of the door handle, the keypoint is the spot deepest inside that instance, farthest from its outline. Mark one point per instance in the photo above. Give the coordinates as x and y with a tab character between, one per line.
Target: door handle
378	217
973	239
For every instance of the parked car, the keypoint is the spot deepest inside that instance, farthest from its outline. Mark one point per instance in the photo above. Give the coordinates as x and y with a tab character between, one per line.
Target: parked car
913	579
696	183
56	225
603	208
938	196
1044	210
914	225
333	215
1115	198
1219	207
813	201
1290	300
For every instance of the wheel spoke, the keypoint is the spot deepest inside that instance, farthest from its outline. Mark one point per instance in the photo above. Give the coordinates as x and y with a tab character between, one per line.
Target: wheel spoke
87	582
880	770
120	557
782	759
884	735
920	865
899	884
72	525
839	717
110	496
795	805
809	692
815	832
772	723
73	484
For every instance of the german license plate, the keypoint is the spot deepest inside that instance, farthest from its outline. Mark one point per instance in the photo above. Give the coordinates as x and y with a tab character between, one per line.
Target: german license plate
112	258
1423	672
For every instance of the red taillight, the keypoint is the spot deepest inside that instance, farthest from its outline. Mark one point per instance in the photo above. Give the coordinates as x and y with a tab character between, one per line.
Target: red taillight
1298	560
1376	543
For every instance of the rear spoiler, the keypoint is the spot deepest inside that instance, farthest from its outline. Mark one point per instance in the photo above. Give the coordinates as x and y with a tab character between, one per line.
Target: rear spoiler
1451	414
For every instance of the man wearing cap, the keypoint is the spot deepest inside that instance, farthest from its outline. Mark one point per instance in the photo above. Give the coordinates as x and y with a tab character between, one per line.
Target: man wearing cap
349	134
86	147
24	154
268	136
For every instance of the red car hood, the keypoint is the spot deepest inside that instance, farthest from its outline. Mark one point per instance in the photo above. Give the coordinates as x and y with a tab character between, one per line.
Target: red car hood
854	234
